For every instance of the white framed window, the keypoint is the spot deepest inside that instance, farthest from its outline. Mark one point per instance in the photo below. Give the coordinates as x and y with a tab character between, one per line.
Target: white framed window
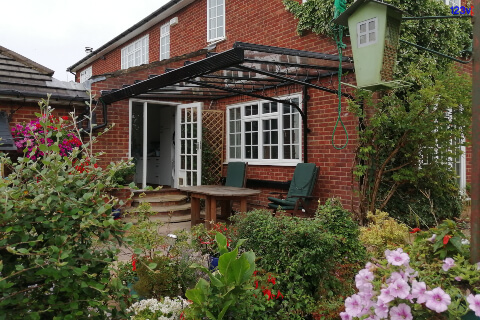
264	132
452	3
215	20
367	32
86	74
165	41
135	53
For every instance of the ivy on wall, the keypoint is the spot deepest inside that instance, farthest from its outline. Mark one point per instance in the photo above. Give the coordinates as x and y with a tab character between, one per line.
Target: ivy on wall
448	36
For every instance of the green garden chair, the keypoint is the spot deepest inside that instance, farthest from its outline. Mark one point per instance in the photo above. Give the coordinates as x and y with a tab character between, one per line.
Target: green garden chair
236	177
300	191
236	174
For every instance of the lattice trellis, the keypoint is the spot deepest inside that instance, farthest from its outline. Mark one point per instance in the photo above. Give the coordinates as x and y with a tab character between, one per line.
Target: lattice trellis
212	146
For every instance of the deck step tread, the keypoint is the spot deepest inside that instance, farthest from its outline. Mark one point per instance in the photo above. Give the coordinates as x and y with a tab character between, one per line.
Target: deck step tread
163	209
161	198
164	218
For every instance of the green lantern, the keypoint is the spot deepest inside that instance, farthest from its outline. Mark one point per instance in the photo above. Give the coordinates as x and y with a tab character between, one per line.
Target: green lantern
374	33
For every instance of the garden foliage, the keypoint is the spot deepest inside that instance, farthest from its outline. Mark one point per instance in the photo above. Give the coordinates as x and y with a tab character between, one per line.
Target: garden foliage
304	253
57	236
382	233
410	137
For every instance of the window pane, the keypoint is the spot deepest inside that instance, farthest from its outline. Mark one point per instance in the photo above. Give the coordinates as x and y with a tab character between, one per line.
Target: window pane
363	39
371	25
371	37
363	27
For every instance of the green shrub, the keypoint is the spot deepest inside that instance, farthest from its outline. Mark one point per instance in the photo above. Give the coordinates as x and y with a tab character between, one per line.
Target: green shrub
382	233
57	236
428	202
304	253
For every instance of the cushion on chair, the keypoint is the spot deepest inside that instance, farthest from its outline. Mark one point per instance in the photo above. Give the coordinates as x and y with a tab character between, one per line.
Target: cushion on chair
282	202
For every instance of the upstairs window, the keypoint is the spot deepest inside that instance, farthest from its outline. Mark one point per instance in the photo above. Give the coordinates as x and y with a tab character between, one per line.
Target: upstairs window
135	53
452	3
165	41
86	74
215	19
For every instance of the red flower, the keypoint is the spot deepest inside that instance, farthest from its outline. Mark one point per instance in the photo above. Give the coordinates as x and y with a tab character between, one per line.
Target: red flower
279	294
65	118
268	293
134	263
256	284
415	230
271	279
446	239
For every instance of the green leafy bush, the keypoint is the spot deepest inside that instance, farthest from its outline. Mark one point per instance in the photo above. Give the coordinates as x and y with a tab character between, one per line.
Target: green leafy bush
304	253
427	202
57	236
382	233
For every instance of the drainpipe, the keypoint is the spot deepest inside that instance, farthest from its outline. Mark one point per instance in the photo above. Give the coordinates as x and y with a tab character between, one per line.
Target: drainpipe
105	120
306	131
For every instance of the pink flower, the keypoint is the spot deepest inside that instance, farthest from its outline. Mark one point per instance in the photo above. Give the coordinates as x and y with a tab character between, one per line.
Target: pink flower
363	277
399	289
448	263
397	257
385	296
381	310
353	305
418	291
437	300
474	303
345	316
401	312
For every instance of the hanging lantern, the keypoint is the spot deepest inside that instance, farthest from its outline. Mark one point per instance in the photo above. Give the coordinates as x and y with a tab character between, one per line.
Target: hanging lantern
374	33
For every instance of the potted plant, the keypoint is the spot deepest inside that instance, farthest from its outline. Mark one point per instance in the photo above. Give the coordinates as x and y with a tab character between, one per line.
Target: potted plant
203	240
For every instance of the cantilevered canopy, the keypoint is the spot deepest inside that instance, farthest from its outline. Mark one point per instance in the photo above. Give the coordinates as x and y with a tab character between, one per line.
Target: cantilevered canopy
247	69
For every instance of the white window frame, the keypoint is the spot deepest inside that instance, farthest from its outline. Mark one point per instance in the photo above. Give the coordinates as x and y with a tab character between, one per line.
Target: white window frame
165	38
367	32
215	20
136	53
86	74
452	3
259	118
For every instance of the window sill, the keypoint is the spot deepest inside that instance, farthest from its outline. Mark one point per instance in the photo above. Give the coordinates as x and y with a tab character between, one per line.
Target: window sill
277	163
215	41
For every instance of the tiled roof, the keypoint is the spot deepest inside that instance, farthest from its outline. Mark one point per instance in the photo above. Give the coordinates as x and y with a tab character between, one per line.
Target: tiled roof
21	77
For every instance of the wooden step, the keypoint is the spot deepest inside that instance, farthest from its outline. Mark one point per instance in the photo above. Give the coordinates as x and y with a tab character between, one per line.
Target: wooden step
165	210
162	198
164	218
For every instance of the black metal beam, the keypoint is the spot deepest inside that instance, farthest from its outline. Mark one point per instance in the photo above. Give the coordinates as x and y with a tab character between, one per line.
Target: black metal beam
295	81
251	94
289	52
220	61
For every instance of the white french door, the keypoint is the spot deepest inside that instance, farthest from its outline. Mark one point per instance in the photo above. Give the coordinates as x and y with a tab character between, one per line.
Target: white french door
188	141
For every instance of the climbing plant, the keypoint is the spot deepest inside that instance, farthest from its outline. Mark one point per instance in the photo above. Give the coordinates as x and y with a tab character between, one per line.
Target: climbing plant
409	136
449	36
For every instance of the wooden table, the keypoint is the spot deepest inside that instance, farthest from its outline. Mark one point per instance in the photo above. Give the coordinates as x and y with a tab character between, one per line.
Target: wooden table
212	194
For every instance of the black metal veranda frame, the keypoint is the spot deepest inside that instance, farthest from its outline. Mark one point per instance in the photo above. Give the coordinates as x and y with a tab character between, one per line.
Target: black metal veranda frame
246	69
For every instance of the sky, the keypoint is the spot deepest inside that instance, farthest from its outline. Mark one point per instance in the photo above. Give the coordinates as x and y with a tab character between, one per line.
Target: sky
54	33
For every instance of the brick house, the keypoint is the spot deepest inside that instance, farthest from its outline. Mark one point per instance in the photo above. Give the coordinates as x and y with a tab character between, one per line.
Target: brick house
237	73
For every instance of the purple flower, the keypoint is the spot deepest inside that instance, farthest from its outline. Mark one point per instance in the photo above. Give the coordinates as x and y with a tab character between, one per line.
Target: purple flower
381	310
345	316
399	289
385	296
418	291
363	277
437	300
397	257
353	305
474	303
401	312
447	264
432	238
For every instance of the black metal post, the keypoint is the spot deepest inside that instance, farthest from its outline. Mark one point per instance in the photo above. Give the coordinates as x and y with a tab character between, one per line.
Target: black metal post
475	179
